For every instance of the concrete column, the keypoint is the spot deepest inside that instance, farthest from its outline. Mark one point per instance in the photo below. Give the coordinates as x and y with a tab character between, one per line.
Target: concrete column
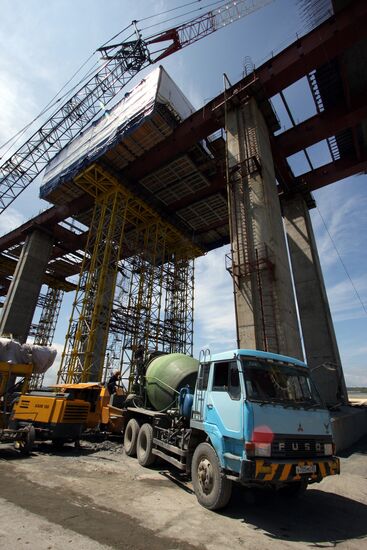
264	298
25	287
316	322
106	295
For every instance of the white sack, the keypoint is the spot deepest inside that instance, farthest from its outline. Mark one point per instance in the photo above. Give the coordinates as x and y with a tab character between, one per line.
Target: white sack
42	358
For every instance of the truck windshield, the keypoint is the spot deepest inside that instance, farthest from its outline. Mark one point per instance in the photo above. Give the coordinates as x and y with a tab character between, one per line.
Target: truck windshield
273	381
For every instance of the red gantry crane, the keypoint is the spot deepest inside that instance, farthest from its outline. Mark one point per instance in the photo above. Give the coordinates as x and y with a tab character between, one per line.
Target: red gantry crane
122	62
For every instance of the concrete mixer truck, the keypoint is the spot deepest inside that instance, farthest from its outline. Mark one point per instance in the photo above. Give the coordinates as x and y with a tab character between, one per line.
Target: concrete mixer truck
241	416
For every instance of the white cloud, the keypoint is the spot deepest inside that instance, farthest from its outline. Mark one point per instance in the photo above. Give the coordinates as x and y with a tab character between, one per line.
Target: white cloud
355	379
17	108
214	306
343	213
344	303
51	374
362	350
10	219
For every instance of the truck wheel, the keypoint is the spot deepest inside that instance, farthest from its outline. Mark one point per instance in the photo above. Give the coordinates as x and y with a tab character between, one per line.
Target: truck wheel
26	445
212	489
131	437
145	446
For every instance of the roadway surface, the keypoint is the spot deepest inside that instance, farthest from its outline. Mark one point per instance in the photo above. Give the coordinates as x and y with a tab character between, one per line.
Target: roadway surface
100	499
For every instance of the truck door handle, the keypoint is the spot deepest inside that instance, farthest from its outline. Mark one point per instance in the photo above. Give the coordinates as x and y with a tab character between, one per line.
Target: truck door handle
210	406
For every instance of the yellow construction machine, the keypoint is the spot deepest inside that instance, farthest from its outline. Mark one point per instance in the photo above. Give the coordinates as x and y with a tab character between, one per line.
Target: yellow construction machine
103	414
55	415
14	379
64	411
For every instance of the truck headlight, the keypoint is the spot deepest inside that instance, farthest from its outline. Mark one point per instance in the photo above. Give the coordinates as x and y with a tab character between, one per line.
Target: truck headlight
257	449
328	449
262	449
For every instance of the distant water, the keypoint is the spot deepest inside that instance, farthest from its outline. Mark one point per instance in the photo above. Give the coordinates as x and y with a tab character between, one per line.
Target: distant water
357	394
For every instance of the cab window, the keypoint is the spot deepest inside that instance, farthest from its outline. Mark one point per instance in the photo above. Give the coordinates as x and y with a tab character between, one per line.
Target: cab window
226	378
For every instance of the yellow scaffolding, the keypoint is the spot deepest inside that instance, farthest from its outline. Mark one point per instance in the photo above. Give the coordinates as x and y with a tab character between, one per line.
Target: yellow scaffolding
125	234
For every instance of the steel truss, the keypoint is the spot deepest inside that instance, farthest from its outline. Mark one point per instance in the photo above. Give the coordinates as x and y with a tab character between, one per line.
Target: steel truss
122	62
68	121
132	283
44	330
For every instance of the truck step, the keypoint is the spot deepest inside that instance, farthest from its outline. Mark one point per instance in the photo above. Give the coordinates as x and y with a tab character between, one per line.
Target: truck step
231	456
169	459
168	447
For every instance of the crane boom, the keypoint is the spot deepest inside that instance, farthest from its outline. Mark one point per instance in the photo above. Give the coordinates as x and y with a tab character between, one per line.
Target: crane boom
68	121
198	28
122	62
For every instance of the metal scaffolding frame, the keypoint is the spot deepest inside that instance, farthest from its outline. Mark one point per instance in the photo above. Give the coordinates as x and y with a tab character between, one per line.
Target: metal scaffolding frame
44	330
135	286
154	307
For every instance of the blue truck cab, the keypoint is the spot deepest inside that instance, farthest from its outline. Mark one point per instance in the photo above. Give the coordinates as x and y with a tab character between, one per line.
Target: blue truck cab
264	424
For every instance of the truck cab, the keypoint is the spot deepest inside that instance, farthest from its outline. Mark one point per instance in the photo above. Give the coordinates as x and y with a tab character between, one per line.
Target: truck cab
264	421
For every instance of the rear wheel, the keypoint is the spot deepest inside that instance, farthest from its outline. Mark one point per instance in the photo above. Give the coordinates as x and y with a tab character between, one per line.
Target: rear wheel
145	446
213	490
25	446
131	437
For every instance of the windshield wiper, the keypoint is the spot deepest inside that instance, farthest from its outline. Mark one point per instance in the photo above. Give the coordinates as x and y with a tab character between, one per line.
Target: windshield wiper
288	403
285	403
308	405
260	401
275	402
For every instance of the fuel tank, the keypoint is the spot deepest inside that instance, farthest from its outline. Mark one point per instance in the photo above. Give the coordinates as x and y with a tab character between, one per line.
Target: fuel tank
166	375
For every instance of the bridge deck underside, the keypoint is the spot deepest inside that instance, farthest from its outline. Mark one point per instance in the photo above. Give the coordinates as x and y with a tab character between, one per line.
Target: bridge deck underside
178	167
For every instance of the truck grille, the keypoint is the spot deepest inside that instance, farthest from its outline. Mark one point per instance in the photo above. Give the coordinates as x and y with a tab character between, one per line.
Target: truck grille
298	447
75	413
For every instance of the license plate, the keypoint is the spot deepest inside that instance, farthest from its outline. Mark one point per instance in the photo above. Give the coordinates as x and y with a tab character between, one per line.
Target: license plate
308	469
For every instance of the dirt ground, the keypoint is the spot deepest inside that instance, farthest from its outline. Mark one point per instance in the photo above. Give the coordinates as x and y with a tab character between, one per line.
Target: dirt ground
99	498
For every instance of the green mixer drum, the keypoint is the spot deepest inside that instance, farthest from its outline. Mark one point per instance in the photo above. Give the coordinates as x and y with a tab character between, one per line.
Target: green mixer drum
167	373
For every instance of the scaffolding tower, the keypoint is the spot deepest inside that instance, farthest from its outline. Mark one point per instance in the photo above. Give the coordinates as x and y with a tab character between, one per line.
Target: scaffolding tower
154	307
135	286
43	331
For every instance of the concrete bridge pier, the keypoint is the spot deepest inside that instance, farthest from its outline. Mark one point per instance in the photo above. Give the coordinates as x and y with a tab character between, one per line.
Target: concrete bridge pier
96	369
264	299
319	339
21	300
266	316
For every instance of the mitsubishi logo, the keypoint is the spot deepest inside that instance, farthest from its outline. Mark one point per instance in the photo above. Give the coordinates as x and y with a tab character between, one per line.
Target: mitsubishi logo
300	429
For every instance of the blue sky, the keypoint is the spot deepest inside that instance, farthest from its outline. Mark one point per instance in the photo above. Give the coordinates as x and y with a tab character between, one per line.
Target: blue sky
44	43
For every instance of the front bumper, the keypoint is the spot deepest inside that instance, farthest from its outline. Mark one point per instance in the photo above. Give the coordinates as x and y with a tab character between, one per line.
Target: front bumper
11	436
263	470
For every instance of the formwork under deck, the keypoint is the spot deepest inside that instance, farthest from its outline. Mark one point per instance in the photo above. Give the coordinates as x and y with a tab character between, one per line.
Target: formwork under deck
135	285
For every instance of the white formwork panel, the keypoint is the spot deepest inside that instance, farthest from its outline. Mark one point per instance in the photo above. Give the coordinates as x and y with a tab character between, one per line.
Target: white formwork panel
122	125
